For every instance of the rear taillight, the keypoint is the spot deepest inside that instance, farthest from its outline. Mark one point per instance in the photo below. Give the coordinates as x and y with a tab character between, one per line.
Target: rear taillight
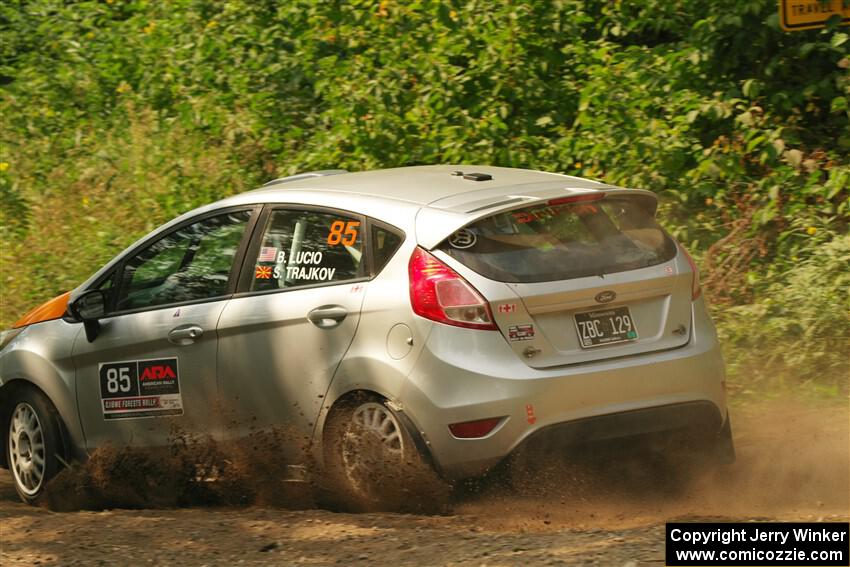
439	293
696	289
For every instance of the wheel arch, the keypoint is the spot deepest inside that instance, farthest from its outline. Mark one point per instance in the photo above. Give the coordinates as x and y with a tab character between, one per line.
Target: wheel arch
355	395
55	381
7	402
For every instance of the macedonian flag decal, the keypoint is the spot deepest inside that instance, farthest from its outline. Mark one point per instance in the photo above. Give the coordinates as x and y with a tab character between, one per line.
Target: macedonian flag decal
263	272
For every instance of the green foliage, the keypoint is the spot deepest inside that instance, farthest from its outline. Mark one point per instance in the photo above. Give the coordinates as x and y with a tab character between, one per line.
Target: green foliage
807	312
119	114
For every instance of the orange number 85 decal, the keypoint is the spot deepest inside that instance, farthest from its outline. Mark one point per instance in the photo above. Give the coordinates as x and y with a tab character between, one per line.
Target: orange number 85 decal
343	232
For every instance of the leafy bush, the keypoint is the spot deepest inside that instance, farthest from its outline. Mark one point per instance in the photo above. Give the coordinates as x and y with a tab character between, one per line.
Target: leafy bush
800	329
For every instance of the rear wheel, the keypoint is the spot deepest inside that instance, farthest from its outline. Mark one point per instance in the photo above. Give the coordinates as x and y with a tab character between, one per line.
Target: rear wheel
372	463
32	442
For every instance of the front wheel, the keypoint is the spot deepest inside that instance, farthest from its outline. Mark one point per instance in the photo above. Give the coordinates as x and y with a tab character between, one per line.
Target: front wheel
372	463
32	442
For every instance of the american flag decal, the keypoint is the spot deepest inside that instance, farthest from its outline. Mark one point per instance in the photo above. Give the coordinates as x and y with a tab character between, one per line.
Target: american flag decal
263	272
267	254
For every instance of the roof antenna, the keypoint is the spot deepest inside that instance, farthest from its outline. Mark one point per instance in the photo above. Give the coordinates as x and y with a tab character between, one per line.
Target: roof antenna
472	176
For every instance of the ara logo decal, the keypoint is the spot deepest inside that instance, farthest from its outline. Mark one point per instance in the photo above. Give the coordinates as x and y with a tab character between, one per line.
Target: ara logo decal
158	376
157	373
606	296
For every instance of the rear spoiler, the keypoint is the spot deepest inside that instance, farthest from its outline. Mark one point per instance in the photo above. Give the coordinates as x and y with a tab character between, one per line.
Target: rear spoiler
435	222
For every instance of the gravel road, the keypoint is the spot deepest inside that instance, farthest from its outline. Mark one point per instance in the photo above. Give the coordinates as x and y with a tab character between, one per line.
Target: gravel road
794	464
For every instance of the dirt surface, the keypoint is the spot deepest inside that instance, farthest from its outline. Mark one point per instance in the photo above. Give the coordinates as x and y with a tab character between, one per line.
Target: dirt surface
794	464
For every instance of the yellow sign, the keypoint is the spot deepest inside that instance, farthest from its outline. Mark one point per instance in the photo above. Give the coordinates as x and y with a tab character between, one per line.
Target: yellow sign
809	14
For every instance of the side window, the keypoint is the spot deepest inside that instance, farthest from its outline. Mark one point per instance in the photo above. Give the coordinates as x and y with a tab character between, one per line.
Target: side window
188	264
384	245
108	284
308	247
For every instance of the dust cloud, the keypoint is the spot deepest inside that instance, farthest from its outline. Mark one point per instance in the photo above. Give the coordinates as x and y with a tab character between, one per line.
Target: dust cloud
190	471
793	462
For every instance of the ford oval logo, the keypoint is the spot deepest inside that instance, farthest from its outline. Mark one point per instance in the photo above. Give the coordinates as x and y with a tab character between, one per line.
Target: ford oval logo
606	296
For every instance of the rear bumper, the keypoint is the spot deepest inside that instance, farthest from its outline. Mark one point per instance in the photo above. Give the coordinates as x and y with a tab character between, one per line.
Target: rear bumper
693	420
453	381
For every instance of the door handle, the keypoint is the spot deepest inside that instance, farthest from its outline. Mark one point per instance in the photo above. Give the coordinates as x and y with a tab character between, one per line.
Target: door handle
327	316
185	334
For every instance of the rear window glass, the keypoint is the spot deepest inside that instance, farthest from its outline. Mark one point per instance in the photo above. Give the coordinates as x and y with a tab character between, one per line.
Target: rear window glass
563	241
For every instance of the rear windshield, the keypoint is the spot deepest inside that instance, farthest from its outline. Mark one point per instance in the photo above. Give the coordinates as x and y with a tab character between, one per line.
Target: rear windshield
562	241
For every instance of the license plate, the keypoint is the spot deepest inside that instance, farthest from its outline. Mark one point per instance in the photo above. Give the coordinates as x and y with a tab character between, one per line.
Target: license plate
605	327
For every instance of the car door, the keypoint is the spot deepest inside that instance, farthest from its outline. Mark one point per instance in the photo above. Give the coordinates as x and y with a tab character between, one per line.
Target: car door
151	371
285	332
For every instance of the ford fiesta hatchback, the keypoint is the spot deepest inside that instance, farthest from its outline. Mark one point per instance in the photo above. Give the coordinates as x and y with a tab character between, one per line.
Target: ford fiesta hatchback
453	313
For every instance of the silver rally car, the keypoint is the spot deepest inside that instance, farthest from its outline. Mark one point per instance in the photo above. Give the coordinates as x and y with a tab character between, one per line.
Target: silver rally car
455	312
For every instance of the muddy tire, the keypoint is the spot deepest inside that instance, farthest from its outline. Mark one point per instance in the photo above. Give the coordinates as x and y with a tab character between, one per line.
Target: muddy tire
32	442
373	464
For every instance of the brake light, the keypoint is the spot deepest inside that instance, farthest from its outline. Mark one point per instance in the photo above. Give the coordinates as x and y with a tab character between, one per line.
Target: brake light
581	198
696	289
440	294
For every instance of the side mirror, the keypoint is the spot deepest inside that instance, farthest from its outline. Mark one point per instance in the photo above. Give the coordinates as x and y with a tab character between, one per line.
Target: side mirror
88	308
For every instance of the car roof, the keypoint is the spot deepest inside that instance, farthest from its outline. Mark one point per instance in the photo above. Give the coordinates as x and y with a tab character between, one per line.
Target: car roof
426	184
435	199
